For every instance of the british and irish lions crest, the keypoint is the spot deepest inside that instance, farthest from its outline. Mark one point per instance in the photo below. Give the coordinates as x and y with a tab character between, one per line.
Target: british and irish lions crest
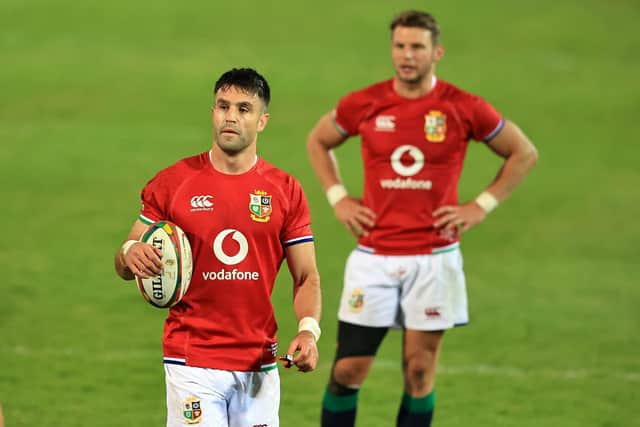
260	206
356	301
435	126
192	410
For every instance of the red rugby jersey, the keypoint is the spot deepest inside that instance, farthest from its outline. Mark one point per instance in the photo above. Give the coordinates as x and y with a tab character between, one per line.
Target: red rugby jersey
238	227
413	151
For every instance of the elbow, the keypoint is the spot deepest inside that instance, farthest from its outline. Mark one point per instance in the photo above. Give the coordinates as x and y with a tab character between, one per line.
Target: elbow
315	143
313	280
316	147
532	157
526	156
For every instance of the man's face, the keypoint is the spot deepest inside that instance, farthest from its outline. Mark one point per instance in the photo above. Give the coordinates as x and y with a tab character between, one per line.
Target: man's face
238	117
413	53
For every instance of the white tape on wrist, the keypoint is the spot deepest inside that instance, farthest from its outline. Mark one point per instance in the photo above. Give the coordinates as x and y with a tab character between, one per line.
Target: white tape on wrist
487	201
335	193
310	324
127	245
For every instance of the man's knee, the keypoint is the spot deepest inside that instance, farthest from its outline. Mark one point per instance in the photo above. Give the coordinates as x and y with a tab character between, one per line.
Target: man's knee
357	346
418	374
419	366
351	371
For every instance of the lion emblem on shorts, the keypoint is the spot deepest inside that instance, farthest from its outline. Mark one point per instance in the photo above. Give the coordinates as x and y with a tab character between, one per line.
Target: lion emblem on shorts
192	410
356	302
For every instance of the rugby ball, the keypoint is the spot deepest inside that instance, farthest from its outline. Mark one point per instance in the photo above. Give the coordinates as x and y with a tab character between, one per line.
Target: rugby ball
168	288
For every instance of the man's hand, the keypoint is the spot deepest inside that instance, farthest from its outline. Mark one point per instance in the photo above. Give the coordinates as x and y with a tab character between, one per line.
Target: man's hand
307	358
356	217
143	260
453	221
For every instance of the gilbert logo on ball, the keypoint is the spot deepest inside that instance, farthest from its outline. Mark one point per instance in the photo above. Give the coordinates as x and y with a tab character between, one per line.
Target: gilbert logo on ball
168	288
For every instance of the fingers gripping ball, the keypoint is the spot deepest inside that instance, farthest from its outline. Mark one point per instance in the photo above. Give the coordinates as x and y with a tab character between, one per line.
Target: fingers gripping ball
168	288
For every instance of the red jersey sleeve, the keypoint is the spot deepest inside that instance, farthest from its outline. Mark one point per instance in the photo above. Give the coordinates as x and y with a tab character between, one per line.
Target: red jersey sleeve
297	224
155	200
485	121
348	114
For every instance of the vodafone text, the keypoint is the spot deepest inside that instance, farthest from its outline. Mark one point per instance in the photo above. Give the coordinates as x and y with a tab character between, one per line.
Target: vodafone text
405	184
234	274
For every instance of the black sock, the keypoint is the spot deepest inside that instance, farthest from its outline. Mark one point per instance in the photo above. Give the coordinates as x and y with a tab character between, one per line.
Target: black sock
416	411
339	410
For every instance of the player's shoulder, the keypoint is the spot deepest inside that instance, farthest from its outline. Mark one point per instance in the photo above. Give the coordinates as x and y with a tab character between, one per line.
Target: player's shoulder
282	183
182	169
283	186
454	93
274	174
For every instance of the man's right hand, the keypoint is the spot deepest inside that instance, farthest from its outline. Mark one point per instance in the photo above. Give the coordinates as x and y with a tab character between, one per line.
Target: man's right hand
143	260
356	217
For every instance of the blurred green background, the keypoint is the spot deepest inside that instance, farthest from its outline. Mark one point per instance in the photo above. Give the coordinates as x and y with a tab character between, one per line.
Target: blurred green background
95	97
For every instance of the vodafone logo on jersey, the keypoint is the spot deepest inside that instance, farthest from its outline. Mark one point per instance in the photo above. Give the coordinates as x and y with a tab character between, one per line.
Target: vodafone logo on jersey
231	247
222	255
406	161
411	169
201	203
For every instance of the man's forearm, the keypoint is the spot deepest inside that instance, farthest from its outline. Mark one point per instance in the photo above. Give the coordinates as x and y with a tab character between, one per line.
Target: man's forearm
308	299
512	173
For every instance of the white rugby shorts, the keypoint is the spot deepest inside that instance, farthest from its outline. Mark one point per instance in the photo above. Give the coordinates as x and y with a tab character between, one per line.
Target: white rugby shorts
418	292
216	398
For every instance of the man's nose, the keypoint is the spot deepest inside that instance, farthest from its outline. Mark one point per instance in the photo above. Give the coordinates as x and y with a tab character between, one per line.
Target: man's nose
231	115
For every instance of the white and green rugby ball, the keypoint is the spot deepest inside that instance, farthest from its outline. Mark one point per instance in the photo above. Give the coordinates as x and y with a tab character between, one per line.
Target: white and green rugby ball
168	288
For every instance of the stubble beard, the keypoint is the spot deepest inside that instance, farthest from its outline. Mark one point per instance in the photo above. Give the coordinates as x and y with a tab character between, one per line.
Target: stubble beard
231	145
419	78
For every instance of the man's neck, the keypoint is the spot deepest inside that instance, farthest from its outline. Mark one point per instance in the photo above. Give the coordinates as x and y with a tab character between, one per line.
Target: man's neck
414	90
235	164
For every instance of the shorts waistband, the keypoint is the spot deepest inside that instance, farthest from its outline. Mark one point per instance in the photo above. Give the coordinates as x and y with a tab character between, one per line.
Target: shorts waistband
434	251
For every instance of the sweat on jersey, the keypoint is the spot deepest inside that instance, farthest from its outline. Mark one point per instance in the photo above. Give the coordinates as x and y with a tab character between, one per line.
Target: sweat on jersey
413	151
238	227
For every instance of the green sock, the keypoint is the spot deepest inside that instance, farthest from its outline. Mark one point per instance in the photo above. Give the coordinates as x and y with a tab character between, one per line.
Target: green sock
339	411
416	411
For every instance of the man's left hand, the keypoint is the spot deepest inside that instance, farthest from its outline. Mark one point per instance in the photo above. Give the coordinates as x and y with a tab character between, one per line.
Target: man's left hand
306	358
456	220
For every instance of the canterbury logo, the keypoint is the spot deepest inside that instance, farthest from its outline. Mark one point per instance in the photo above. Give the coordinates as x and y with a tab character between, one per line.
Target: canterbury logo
407	170
201	202
242	250
385	123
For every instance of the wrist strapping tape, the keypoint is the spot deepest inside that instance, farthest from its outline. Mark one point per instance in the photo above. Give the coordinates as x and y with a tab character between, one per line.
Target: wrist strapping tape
127	245
487	201
335	193
310	324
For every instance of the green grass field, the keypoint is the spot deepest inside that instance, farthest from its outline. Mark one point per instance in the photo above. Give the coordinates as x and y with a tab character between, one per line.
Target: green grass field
95	97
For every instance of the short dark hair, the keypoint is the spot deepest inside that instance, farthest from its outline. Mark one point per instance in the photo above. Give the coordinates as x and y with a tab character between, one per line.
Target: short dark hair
246	79
417	19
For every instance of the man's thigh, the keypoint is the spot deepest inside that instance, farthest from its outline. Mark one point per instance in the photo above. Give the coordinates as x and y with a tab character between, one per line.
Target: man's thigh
193	400
371	294
257	400
436	299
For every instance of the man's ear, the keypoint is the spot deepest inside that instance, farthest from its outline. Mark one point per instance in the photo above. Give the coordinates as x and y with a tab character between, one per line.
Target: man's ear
262	121
439	52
